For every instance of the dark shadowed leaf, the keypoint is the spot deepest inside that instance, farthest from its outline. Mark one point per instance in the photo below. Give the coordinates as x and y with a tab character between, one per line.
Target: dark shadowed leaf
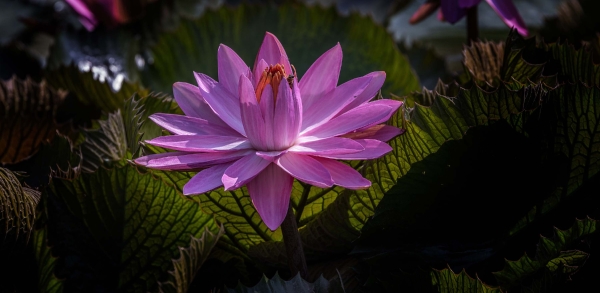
190	260
295	285
17	205
104	145
27	118
367	47
47	280
91	89
136	222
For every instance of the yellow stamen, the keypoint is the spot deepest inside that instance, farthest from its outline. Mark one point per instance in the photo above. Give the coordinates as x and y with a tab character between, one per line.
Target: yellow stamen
273	76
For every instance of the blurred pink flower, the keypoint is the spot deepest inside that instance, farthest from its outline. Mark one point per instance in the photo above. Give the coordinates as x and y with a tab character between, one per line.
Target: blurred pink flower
91	12
262	128
453	10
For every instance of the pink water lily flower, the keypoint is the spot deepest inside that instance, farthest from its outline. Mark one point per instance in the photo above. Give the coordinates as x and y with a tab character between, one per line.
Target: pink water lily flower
91	12
262	127
454	10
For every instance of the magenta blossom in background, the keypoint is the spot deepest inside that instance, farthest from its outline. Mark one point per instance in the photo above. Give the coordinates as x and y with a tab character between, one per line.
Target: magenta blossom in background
454	10
91	12
262	128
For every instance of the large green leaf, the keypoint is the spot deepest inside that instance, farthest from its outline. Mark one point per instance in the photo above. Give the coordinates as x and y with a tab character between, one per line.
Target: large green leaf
124	223
305	32
27	118
136	220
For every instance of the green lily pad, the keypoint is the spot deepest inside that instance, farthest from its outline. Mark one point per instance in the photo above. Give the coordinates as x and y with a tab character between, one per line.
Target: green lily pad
305	32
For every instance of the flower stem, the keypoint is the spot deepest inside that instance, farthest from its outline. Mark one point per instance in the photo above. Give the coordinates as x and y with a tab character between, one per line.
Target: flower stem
472	25
293	245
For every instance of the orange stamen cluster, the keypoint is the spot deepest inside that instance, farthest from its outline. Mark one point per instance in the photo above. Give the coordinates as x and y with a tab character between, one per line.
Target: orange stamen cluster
272	75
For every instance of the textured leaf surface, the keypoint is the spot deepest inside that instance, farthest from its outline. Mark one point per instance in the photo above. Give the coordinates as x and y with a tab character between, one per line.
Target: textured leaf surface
367	47
446	281
137	220
551	254
234	209
17	205
278	285
536	93
190	260
27	118
104	145
483	60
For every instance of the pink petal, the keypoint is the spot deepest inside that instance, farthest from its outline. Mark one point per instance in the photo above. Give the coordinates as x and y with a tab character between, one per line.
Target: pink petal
344	175
354	119
270	192
273	53
424	11
508	12
328	146
452	11
378	77
185	125
259	68
384	102
205	180
267	107
379	132
287	117
188	161
231	66
221	101
297	106
192	104
270	156
373	150
252	118
321	77
201	143
86	17
305	169
243	170
330	104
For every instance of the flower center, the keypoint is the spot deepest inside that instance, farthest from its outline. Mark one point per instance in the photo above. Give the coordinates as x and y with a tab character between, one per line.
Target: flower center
273	76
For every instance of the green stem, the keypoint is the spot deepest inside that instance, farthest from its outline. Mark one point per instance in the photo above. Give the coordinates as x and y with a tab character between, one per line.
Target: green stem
293	245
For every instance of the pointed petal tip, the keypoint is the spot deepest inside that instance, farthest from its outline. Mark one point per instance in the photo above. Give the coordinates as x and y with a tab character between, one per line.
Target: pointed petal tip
142	161
273	225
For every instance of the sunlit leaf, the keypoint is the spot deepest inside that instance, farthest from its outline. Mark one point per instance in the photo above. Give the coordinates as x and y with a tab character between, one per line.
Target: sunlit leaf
446	281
